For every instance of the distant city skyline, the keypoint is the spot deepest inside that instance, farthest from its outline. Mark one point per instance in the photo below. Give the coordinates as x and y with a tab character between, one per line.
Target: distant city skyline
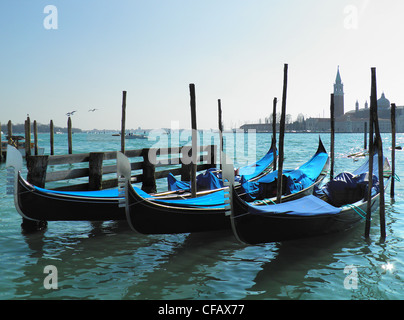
73	56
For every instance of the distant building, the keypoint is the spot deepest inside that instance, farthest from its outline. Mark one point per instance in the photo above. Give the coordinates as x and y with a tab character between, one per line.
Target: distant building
338	96
352	121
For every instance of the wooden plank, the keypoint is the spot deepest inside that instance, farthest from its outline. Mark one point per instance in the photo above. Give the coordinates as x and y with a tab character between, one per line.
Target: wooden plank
69	158
67	174
133	153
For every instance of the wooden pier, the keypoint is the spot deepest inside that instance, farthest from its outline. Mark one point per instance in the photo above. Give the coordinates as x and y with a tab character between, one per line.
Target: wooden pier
152	163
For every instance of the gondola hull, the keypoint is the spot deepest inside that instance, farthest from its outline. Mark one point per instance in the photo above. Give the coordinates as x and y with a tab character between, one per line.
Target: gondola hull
255	229
147	217
34	204
308	216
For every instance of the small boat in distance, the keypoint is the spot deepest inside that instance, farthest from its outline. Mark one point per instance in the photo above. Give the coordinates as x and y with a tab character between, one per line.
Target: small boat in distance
135	136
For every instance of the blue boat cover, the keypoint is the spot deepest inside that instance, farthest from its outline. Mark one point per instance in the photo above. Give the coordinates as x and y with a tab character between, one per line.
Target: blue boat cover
349	187
175	184
209	201
107	193
213	200
253	170
209	180
296	180
212	178
306	206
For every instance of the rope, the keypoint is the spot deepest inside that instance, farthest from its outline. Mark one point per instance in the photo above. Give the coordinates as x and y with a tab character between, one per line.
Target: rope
257	202
355	209
389	173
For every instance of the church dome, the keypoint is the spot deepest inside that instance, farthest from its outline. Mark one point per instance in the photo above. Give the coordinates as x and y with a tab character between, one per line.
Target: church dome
383	102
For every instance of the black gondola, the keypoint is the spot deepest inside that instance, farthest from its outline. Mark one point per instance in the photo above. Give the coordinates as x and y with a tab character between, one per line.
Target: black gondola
339	210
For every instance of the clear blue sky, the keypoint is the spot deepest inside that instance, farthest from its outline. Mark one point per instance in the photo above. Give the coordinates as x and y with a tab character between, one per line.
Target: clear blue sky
233	50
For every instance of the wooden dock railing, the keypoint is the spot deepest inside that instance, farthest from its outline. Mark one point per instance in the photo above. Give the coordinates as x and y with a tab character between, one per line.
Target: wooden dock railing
152	164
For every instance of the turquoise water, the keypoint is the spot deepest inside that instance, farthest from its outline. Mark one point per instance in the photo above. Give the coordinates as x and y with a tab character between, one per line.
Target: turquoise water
108	261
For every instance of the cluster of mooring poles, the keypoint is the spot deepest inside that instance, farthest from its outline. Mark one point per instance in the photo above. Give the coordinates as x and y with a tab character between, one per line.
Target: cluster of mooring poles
374	141
375	145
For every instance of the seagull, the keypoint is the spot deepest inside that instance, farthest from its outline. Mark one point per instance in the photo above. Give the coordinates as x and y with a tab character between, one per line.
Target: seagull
71	113
92	110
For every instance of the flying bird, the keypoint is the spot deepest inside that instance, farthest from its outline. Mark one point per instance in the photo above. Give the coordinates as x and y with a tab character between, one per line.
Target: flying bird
92	110
71	113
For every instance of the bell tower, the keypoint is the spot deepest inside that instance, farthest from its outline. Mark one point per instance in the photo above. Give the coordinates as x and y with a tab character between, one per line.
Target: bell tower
338	96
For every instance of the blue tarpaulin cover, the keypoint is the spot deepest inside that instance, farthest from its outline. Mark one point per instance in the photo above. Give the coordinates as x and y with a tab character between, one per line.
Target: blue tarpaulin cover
253	170
342	185
107	193
306	206
349	187
296	180
212	179
209	180
212	200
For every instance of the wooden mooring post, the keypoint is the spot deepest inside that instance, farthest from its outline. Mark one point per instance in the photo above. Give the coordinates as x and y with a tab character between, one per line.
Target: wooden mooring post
1	146
373	102
282	134
69	135
149	171
194	138
28	136
52	141
9	132
220	126
35	138
274	129
393	149
332	136
382	206
378	142
365	133
123	120
95	171
36	166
